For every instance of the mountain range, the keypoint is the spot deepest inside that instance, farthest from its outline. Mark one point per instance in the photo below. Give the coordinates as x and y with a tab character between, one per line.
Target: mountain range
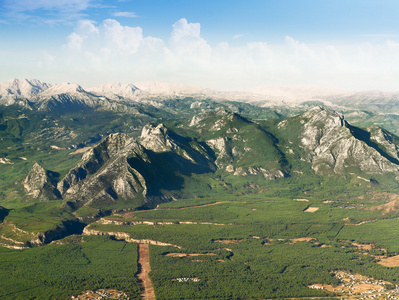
36	91
121	171
75	154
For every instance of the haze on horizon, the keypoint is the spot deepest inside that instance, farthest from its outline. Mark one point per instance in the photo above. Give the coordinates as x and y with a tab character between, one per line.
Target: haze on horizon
232	45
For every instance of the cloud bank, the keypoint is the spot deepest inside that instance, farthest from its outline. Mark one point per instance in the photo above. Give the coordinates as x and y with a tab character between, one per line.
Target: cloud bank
96	53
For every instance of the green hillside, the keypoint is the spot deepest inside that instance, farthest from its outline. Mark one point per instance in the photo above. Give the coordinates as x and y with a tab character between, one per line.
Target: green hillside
252	203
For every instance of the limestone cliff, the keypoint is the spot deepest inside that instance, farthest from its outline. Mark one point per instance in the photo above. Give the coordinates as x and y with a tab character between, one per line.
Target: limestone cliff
104	174
334	146
41	184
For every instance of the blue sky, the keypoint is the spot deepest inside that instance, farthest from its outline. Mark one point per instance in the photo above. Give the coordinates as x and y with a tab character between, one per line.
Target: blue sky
222	44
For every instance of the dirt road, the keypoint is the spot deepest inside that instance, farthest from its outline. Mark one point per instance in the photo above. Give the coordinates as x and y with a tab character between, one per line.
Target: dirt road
146	287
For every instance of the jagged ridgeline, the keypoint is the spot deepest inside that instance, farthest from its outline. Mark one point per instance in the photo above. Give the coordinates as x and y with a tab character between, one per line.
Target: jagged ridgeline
123	172
331	145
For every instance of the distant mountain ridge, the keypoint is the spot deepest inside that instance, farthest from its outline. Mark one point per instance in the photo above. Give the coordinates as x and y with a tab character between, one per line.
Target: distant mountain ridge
16	90
121	171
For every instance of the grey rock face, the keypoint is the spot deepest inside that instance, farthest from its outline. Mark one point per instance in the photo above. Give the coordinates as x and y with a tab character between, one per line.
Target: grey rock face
104	174
39	184
156	138
333	146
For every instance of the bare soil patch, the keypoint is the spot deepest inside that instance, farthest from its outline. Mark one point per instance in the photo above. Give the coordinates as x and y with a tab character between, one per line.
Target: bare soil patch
311	209
81	150
228	241
365	287
176	254
199	254
188	254
302	239
146	287
302	200
392	261
363	246
291	241
390	207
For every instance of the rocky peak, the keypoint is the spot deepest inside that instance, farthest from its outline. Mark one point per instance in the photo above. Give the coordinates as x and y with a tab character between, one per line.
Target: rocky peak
63	88
112	147
328	117
114	144
23	87
387	140
36	178
319	123
332	145
40	184
219	117
156	138
220	111
116	90
17	91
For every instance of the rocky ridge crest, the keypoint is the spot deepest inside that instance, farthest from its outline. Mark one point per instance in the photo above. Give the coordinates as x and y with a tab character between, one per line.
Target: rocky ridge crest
333	146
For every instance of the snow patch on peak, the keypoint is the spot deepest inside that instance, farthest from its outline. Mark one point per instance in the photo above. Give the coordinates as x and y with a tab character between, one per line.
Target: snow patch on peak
167	88
116	90
22	87
63	88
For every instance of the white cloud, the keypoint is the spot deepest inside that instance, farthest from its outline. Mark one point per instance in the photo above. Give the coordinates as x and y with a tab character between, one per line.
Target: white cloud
85	30
122	39
186	43
109	51
125	14
237	36
75	41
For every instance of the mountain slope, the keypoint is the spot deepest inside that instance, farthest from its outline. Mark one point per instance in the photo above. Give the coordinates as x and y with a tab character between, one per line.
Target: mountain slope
117	91
19	91
241	147
104	176
323	138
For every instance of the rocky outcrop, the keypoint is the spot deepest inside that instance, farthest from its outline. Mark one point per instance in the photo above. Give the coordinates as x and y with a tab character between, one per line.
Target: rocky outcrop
105	175
13	237
183	154
198	120
151	223
333	146
156	138
121	171
240	147
386	140
126	237
224	155
41	184
267	174
19	91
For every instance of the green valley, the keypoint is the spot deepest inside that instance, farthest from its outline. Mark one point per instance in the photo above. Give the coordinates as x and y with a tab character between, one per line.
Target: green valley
236	201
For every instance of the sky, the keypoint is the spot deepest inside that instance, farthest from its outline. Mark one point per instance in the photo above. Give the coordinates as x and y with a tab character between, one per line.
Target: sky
223	44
